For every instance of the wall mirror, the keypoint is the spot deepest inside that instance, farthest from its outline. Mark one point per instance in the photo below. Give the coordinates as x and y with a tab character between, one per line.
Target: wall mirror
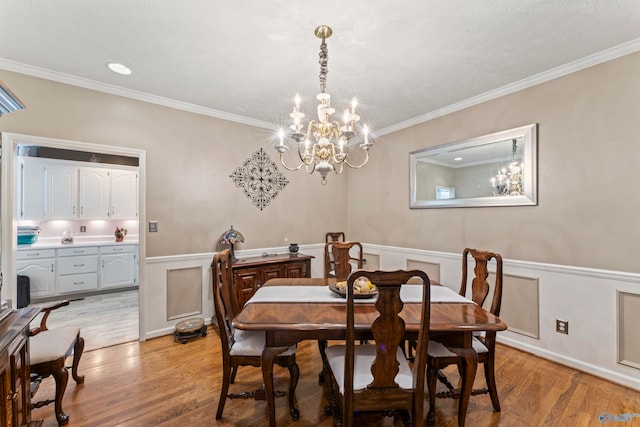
499	169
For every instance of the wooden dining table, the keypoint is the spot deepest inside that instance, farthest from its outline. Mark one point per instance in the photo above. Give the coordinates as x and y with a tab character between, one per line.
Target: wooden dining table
287	320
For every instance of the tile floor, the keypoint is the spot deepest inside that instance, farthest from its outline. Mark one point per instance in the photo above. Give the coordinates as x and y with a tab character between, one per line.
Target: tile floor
104	320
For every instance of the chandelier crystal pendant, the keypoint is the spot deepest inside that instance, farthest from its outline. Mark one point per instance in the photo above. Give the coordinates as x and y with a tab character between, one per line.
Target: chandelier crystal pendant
324	146
508	181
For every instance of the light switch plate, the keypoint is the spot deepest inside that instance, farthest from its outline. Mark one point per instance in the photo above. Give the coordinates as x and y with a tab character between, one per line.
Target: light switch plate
153	226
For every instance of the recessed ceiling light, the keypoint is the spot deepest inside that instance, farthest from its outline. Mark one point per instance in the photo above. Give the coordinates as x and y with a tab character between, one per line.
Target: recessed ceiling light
457	159
119	68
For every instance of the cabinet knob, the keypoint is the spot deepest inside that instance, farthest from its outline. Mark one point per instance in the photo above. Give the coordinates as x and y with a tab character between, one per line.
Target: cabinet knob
12	396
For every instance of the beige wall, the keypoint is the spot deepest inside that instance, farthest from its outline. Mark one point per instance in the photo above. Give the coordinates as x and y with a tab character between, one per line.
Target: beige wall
588	176
189	160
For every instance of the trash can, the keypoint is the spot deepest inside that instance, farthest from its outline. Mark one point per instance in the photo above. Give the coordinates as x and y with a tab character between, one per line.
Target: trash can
24	291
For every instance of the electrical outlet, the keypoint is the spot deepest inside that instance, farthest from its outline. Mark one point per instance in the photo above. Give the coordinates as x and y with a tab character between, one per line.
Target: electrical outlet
562	326
83	228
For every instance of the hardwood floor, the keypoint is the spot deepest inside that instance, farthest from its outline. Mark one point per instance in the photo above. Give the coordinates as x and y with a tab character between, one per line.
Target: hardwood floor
104	320
164	383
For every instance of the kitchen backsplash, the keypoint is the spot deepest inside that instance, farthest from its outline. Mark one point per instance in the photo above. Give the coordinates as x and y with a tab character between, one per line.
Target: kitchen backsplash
96	230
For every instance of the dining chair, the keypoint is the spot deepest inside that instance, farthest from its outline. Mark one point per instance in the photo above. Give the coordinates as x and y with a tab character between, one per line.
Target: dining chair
242	348
48	352
440	356
344	259
377	377
329	238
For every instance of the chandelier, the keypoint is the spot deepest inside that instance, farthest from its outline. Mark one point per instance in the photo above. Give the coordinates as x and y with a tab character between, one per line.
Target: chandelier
324	146
508	181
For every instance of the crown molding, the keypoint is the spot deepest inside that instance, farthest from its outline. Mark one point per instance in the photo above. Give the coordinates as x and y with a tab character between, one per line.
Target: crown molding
545	76
30	70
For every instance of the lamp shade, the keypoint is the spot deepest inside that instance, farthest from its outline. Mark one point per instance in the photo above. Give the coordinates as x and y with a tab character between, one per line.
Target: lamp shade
231	237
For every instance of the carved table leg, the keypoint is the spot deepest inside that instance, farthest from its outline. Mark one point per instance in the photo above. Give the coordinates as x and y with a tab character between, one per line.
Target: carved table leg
469	367
268	355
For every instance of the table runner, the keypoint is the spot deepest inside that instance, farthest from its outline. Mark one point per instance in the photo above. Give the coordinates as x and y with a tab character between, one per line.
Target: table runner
408	293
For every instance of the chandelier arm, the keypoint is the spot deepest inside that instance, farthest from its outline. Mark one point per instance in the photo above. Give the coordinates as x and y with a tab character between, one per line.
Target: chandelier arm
313	168
338	171
288	167
366	159
303	155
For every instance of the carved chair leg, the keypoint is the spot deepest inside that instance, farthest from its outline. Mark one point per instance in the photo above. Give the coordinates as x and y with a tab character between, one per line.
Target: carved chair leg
489	374
226	379
78	348
322	345
234	371
294	375
432	379
61	377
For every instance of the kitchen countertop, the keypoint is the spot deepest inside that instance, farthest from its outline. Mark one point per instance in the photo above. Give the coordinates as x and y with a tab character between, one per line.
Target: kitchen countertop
58	245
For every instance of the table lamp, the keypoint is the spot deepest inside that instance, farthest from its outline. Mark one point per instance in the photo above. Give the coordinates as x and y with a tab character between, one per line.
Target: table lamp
230	237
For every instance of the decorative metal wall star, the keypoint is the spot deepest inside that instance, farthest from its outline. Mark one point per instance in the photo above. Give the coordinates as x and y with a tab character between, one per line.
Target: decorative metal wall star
260	179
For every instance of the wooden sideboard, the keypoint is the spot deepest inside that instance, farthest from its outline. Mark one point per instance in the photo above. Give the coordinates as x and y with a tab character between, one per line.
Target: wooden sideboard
251	273
15	385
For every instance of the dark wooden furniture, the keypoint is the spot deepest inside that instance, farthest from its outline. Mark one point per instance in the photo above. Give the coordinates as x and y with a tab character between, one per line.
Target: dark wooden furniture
50	349
14	369
440	356
288	323
330	237
344	258
242	348
376	376
251	273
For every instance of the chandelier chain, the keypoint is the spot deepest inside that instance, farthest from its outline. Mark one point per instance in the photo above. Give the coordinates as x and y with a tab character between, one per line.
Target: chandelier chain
324	65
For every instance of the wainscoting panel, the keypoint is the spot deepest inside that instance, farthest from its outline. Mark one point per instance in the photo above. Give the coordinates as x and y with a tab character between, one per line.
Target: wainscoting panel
521	304
431	268
601	306
372	261
184	292
628	322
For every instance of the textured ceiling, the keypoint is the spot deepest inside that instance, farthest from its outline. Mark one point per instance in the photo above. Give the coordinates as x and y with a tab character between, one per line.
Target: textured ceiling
245	60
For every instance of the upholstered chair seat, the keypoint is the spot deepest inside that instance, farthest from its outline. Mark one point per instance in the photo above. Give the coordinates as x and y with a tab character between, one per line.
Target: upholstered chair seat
365	355
251	343
437	349
52	345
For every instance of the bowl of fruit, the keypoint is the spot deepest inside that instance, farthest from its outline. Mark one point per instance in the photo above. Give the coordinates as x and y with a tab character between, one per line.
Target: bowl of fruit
362	288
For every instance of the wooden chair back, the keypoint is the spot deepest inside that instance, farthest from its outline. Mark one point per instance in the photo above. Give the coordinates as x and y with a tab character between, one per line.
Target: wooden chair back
344	258
225	303
329	238
480	286
388	332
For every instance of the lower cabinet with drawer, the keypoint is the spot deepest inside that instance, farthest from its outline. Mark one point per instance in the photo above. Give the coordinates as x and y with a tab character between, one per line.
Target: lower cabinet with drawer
117	266
39	266
249	274
77	269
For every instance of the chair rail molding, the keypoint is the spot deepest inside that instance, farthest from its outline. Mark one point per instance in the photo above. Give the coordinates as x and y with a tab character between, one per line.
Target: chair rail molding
585	297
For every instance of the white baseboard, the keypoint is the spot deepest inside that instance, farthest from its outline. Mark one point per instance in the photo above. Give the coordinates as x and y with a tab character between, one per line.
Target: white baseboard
579	365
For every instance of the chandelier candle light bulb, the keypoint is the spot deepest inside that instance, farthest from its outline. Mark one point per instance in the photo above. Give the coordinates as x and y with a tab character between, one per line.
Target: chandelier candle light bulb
329	150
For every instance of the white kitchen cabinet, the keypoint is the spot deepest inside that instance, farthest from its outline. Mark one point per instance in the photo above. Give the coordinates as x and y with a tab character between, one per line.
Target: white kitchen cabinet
77	269
39	266
124	193
93	192
30	193
61	191
117	266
